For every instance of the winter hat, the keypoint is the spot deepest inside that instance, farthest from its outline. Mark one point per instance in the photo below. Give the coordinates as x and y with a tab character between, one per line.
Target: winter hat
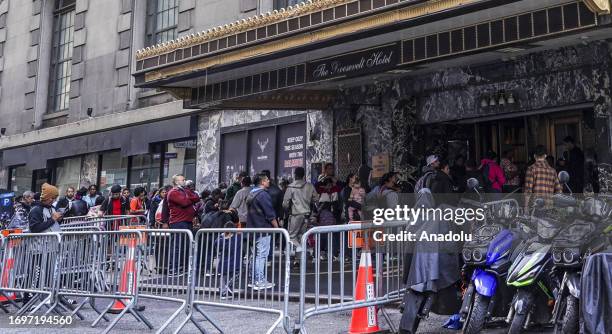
116	189
431	159
48	192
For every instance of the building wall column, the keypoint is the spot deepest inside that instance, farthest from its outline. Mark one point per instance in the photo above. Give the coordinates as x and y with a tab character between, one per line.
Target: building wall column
4	175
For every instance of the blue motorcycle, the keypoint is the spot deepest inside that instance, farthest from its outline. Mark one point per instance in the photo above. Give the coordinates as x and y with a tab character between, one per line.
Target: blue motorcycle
486	264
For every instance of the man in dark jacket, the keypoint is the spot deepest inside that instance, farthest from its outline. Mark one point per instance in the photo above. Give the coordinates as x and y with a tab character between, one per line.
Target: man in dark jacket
442	185
233	189
276	195
22	210
115	204
261	214
575	165
72	205
43	217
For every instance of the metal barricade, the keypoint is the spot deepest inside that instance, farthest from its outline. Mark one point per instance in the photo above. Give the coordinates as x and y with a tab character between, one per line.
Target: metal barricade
29	266
104	223
231	269
336	254
103	265
166	268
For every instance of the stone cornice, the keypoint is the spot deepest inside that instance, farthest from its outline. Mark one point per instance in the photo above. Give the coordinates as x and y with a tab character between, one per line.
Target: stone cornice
243	25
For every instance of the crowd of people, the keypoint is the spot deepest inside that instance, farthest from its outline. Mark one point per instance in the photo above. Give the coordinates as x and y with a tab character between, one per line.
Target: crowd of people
258	202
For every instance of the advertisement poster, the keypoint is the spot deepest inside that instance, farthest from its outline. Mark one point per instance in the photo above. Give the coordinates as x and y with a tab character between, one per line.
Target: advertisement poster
291	150
380	165
262	147
233	156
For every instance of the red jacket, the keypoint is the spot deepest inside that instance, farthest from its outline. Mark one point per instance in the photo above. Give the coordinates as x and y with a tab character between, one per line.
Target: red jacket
181	205
496	174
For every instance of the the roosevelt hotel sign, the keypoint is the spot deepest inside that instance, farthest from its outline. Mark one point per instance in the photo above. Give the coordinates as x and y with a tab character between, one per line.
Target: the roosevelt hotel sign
353	64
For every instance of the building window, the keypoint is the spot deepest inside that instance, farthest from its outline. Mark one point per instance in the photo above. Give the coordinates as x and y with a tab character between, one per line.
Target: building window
113	170
145	169
180	158
162	20
20	179
67	173
278	4
61	59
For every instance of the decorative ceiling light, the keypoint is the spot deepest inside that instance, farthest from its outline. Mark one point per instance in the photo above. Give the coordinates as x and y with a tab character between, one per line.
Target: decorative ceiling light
510	98
492	101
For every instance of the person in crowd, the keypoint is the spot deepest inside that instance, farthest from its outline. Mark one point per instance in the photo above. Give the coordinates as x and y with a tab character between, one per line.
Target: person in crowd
91	196
43	217
239	200
355	201
492	174
180	215
298	201
511	172
229	250
363	173
575	164
332	188
211	204
592	171
387	190
442	185
277	196
471	170
126	194
156	205
114	204
432	164
73	205
346	193
22	210
561	165
541	180
137	203
261	214
218	219
235	187
458	173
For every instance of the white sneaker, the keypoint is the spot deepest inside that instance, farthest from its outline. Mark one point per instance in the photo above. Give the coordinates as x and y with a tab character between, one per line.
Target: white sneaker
263	286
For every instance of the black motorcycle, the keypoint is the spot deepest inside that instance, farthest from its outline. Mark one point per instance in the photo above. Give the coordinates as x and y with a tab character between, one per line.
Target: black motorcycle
571	247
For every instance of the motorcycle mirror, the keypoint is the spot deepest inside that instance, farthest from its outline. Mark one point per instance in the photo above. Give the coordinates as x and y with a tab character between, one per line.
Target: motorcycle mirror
564	177
539	203
472	183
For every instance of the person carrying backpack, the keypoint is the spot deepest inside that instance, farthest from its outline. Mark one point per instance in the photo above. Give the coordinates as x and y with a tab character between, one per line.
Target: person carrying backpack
493	178
433	164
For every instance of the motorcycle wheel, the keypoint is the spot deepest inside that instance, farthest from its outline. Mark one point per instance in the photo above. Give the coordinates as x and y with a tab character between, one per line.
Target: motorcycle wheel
476	318
518	322
570	318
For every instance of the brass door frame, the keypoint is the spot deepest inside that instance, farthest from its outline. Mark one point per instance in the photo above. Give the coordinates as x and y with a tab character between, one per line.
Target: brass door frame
560	120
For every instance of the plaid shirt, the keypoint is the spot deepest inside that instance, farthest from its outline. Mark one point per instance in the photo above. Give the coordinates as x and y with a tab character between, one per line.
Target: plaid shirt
542	181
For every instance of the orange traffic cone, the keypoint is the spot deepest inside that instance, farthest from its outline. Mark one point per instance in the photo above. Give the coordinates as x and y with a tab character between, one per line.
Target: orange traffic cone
127	284
9	263
365	319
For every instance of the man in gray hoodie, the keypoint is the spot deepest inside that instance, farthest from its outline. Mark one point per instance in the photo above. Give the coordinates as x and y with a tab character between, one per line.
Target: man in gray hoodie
297	200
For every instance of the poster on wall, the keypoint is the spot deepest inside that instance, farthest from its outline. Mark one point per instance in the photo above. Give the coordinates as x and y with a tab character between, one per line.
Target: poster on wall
262	147
291	150
233	155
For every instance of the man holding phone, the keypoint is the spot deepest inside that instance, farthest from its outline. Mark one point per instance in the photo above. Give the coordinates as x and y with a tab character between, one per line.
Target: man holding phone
43	217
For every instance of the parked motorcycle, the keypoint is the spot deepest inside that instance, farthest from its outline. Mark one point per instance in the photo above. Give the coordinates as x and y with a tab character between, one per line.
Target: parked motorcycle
530	273
571	247
486	263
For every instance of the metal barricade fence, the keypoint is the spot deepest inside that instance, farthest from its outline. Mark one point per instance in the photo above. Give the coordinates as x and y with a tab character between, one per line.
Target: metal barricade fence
104	223
166	268
242	269
337	252
29	266
101	265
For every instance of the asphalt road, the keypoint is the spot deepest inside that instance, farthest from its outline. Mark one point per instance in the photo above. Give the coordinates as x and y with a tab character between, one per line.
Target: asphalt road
231	321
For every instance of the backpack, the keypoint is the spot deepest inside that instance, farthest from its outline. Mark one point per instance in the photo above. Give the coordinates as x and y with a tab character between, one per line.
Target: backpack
207	220
486	181
423	182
